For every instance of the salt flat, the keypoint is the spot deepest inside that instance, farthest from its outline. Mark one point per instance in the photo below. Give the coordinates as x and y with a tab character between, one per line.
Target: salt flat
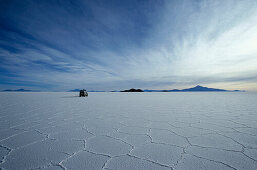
126	131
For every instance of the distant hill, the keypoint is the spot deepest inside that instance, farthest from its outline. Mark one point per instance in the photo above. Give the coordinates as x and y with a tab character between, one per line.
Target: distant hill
201	88
197	88
17	90
132	90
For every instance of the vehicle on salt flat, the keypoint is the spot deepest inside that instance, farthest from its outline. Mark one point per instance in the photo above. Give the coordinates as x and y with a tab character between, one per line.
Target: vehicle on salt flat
83	93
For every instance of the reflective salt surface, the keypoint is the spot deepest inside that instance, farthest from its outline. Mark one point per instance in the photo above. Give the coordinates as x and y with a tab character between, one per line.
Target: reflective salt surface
126	131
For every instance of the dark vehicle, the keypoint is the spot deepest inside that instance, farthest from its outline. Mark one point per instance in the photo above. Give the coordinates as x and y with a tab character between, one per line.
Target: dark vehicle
83	93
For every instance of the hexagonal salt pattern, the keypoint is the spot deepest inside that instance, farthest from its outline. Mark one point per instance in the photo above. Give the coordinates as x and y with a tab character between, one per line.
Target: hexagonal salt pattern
124	131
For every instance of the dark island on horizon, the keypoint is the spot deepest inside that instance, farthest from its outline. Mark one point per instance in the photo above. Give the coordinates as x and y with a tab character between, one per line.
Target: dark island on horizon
132	90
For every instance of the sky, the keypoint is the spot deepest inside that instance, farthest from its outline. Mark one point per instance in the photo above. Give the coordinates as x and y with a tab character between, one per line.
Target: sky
59	45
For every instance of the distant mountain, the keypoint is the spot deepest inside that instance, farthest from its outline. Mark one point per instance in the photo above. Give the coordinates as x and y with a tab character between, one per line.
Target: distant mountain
197	88
132	90
201	88
17	90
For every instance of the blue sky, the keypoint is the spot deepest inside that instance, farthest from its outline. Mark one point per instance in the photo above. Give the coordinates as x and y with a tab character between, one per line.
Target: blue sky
58	45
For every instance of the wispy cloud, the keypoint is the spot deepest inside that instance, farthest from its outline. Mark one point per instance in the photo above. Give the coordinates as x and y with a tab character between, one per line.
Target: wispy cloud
103	45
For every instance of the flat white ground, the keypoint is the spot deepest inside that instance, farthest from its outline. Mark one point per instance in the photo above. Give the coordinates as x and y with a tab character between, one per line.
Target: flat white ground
128	131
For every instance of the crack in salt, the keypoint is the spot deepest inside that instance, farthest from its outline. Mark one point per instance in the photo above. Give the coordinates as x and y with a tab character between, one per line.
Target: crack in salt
213	161
157	163
5	157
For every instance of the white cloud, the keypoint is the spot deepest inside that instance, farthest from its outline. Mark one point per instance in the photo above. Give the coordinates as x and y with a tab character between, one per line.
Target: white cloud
218	43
